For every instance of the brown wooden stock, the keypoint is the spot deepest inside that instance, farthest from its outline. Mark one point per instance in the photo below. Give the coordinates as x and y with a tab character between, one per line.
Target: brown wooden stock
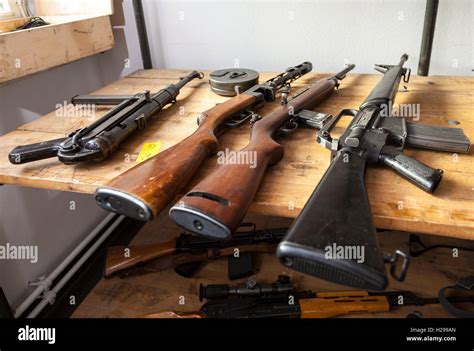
334	304
168	261
237	184
159	179
123	257
173	315
325	305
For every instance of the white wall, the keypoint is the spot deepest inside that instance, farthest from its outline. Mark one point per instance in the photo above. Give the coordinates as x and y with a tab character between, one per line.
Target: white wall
271	35
41	217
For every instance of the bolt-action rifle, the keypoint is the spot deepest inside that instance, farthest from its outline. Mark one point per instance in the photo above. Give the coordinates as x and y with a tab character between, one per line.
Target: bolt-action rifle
146	189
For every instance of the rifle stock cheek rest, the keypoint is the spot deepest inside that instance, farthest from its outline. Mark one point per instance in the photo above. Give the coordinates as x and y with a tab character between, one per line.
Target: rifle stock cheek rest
145	190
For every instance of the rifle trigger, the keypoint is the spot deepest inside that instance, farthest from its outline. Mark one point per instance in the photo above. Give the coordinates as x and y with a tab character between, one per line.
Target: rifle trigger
393	259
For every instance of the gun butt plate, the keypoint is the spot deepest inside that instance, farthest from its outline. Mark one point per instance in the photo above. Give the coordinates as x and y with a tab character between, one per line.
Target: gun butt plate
122	203
311	261
199	223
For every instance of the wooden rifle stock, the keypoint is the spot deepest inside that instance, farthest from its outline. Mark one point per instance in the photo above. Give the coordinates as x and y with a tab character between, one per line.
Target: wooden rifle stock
174	315
333	304
325	305
164	257
217	205
145	190
120	258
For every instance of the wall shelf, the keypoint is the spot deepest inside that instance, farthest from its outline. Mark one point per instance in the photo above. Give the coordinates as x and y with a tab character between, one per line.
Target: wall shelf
77	29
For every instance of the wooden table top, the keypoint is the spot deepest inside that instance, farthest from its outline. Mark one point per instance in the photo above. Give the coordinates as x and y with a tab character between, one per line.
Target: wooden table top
396	204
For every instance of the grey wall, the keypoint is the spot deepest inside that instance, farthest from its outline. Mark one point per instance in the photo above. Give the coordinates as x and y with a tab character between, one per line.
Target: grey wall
271	35
42	217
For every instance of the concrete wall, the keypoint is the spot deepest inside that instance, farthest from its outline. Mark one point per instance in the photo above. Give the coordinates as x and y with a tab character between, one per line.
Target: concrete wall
46	218
271	35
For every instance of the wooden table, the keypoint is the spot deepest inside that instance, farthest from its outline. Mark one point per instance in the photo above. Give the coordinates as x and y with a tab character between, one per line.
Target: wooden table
138	295
396	204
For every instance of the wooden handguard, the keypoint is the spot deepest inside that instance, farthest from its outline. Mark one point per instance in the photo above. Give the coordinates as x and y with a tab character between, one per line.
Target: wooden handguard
120	258
145	190
174	315
217	205
334	304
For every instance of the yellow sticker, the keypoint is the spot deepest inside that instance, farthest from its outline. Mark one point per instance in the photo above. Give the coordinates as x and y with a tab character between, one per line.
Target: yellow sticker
149	150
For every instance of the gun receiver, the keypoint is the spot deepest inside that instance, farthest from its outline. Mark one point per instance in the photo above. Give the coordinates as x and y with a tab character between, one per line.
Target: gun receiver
187	252
282	299
145	190
338	213
216	206
97	141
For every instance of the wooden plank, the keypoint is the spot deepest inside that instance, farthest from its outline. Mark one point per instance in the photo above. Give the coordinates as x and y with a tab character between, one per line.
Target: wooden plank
82	7
160	291
37	49
396	204
12	24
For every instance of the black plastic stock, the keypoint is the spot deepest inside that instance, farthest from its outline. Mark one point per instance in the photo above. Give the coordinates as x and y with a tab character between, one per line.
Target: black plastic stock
336	223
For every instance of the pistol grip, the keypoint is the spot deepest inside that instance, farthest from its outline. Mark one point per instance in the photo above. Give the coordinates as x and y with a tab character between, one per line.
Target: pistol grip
418	173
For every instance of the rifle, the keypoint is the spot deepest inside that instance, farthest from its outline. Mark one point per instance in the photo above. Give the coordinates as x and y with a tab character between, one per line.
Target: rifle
97	141
145	190
187	252
216	206
418	247
337	216
281	299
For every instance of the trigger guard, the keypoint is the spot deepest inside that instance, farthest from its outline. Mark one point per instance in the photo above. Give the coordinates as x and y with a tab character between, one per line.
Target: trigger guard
324	138
289	127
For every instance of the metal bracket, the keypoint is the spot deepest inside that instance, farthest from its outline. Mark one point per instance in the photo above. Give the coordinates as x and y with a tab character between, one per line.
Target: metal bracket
47	294
406	77
284	93
393	259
